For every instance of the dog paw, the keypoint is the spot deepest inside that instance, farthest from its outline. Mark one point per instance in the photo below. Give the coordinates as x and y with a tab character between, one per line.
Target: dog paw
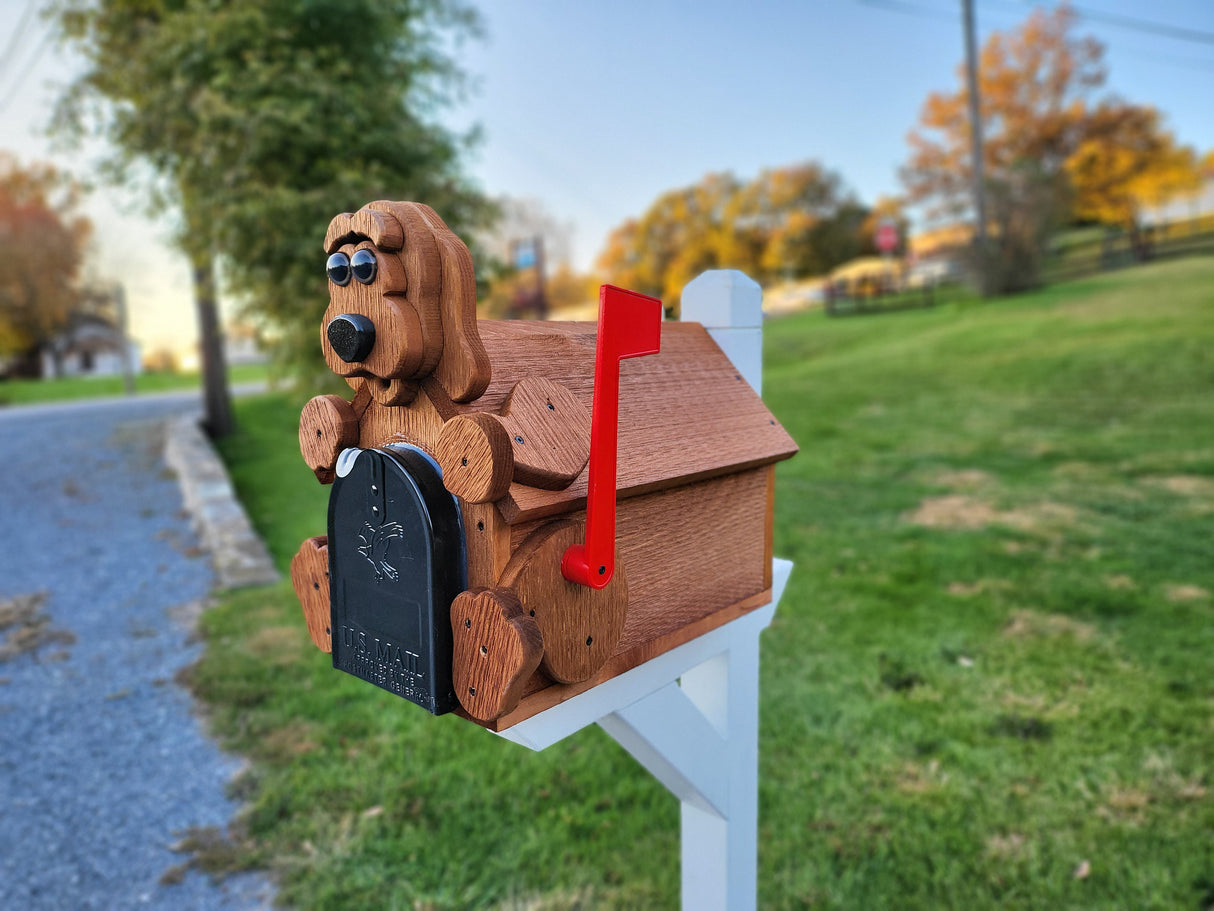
310	578
497	649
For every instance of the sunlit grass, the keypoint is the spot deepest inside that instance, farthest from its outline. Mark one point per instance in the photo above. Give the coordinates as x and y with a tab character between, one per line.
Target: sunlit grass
28	392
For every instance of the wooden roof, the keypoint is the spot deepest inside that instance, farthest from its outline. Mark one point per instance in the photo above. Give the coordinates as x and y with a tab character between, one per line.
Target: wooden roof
685	413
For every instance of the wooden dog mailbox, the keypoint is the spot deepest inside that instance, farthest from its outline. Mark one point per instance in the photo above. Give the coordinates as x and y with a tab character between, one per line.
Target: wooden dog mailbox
520	510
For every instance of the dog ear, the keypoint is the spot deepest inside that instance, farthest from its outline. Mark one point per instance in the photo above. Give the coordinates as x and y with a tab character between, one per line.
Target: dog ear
420	255
464	370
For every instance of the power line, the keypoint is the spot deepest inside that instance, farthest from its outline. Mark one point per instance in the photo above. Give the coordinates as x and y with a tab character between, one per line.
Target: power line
23	74
897	6
1142	26
1180	33
1130	23
1009	6
1191	63
10	49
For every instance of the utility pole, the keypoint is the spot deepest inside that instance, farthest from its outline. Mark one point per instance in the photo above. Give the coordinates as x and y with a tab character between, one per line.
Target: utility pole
541	280
529	254
128	368
971	70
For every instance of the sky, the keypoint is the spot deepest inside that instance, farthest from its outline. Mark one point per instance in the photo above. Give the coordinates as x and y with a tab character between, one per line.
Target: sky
594	109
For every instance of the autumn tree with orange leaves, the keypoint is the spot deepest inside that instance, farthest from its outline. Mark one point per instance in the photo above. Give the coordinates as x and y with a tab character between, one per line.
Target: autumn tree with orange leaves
1126	161
786	222
1053	149
43	241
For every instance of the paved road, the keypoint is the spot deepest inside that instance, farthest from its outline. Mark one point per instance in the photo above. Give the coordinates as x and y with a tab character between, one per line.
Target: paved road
101	760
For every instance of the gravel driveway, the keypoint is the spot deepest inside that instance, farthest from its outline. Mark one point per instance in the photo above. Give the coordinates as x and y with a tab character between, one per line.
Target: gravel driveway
103	764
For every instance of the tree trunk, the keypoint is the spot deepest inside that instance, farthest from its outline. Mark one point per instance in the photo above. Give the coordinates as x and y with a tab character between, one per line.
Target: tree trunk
217	404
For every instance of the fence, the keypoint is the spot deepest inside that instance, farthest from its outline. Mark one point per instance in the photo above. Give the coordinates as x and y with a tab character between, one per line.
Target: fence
877	294
1088	251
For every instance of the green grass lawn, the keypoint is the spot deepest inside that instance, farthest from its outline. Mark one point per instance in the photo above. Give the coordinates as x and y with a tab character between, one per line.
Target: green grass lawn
990	683
28	392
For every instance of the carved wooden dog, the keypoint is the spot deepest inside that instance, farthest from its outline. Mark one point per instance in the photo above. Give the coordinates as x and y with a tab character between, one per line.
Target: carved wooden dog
499	414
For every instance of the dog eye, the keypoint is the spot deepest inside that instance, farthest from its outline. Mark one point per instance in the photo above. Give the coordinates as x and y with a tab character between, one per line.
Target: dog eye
338	268
363	266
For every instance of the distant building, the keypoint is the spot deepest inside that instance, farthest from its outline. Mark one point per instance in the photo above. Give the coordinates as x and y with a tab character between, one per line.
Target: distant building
90	345
242	344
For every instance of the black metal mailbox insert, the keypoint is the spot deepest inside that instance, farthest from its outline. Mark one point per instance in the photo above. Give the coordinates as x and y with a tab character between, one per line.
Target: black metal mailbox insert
396	562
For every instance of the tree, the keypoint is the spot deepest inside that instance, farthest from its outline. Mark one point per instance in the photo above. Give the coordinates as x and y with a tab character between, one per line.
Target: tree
1050	150
809	222
1126	161
682	233
262	120
785	223
1034	86
43	241
564	289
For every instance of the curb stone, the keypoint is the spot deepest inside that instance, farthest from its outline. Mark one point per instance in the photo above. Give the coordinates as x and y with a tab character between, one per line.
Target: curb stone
238	554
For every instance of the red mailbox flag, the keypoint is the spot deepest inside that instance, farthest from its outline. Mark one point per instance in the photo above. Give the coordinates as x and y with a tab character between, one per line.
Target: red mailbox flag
630	325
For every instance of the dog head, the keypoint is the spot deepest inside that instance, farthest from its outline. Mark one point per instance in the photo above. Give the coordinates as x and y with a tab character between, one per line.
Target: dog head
402	304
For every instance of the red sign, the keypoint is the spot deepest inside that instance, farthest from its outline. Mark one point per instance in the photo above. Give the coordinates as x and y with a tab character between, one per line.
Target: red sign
886	238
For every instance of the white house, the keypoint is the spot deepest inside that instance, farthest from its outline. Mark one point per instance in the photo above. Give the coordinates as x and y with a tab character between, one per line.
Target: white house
89	346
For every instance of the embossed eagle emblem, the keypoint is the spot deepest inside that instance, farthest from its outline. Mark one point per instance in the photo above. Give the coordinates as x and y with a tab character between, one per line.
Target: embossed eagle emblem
376	543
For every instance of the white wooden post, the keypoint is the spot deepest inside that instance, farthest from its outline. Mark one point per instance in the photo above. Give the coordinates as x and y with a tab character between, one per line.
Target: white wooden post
691	715
720	849
729	304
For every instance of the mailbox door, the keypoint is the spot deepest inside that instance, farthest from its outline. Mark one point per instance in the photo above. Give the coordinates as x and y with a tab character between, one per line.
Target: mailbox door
396	562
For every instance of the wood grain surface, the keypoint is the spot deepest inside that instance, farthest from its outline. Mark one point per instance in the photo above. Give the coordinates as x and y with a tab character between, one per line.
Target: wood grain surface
694	554
327	425
487	540
417	423
496	649
380	228
541	694
390	392
685	414
422	261
476	457
549	430
464	369
310	579
581	625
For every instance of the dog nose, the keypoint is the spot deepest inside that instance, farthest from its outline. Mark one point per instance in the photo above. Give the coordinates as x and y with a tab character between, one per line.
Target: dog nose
352	336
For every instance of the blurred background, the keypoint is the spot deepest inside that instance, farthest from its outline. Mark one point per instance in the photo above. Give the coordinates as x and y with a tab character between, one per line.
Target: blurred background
984	232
